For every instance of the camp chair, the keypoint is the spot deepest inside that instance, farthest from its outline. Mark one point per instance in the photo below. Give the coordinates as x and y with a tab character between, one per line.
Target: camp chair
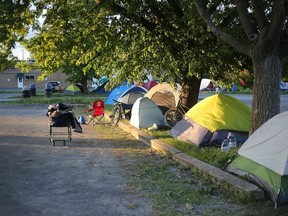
96	114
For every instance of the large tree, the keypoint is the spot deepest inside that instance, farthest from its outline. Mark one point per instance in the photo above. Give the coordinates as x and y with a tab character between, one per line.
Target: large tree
55	44
173	41
130	39
265	25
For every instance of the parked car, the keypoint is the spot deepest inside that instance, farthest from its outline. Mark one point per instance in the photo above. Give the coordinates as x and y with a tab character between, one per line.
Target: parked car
57	86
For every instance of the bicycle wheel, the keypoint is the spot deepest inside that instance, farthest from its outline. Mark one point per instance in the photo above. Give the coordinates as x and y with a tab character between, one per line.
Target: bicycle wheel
172	116
115	116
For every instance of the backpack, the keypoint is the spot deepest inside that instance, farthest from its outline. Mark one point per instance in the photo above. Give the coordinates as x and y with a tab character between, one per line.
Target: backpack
82	119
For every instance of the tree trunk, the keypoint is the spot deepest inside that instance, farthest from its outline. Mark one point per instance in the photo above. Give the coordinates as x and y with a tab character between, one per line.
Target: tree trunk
190	92
266	86
84	85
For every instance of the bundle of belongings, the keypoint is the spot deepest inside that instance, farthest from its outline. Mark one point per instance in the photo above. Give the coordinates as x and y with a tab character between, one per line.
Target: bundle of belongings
61	115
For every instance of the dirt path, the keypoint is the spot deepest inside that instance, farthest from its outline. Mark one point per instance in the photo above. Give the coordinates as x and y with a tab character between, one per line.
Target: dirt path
84	178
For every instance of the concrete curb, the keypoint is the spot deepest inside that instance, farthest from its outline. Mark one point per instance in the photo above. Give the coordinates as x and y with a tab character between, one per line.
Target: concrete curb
219	175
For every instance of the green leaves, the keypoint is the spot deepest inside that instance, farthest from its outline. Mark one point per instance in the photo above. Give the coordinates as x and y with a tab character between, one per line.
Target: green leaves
126	40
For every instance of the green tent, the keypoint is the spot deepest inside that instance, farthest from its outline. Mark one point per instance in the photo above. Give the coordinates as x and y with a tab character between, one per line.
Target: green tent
210	121
263	158
72	90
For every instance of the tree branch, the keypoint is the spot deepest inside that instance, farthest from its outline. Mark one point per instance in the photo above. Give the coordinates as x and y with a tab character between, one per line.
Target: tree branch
277	20
177	10
259	10
246	19
240	47
137	19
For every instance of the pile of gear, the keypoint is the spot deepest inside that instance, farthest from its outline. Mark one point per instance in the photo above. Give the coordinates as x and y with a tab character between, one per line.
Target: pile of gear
61	115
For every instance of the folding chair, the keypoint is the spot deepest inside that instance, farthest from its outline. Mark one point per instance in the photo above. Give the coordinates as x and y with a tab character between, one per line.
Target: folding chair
96	114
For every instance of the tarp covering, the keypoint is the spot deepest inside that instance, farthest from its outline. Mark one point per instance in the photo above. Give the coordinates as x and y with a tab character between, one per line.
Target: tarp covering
264	158
221	112
100	85
145	113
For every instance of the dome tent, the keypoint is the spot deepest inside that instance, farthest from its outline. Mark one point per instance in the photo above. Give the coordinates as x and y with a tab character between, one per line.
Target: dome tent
210	121
164	95
263	158
72	90
126	94
145	113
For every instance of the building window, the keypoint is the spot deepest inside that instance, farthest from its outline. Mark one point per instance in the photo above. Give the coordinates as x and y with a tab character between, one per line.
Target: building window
29	77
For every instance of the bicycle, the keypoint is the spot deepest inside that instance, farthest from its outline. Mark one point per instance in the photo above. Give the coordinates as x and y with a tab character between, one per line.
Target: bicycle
174	115
119	111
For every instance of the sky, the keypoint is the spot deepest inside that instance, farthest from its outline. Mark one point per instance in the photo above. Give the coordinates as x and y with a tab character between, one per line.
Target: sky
20	52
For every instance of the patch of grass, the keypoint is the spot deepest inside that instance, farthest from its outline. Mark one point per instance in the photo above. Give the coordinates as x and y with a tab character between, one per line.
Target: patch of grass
158	177
210	155
172	189
9	91
58	98
176	190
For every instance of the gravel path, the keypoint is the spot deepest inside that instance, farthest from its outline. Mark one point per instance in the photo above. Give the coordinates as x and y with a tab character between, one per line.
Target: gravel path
83	178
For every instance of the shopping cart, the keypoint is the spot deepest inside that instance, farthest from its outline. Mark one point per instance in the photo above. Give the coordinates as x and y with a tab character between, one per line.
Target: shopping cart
61	122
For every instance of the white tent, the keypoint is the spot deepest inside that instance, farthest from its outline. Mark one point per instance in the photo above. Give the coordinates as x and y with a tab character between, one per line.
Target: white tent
264	158
205	83
145	113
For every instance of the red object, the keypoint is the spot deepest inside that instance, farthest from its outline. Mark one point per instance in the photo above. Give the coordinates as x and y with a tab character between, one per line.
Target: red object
148	85
242	82
96	114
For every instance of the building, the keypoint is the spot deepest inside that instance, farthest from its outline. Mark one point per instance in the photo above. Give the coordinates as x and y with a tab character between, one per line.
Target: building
13	78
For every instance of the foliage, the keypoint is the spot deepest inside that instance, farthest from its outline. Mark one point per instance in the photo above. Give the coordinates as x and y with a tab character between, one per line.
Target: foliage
128	41
54	44
16	19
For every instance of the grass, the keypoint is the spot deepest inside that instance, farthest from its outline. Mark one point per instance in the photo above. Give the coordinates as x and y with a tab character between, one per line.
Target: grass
210	155
56	98
173	189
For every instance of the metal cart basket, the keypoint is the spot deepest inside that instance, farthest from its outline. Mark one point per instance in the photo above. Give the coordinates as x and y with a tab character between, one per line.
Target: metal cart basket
60	128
